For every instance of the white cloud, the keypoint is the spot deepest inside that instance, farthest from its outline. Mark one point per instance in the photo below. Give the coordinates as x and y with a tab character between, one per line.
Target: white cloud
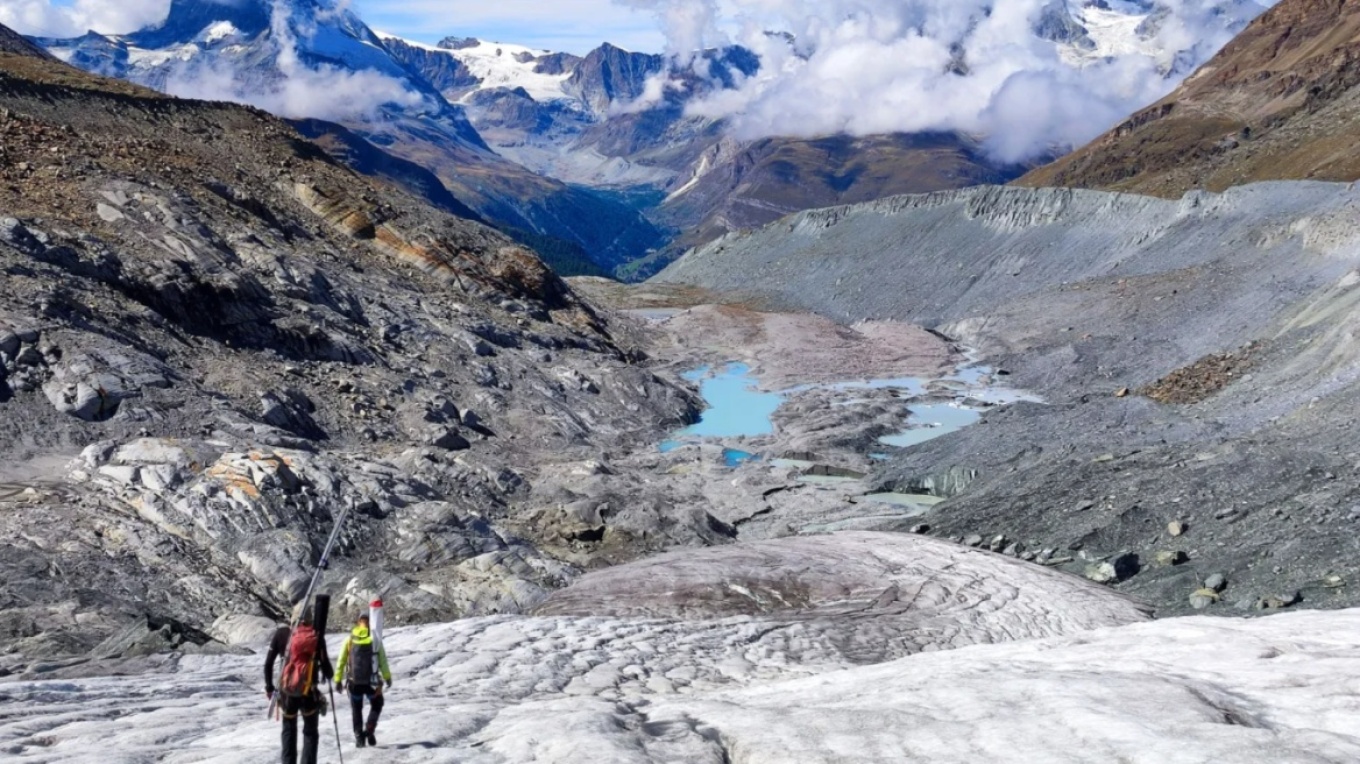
857	66
322	93
877	66
688	26
300	90
47	19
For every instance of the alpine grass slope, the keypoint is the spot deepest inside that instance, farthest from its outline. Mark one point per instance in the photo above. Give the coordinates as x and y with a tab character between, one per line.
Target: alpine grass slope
1277	103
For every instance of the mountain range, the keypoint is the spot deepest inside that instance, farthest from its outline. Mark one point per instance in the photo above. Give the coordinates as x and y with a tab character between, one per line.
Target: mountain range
598	161
227	339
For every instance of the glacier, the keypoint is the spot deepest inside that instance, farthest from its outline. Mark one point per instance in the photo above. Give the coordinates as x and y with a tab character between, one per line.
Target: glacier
693	658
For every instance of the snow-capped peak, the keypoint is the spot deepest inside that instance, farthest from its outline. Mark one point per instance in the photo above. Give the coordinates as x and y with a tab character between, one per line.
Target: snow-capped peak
499	65
218	32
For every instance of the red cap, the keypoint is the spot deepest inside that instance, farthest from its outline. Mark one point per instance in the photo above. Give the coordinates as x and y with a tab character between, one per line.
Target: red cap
375	603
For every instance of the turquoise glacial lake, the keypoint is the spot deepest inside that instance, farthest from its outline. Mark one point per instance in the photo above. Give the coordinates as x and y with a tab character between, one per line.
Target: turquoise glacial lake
736	406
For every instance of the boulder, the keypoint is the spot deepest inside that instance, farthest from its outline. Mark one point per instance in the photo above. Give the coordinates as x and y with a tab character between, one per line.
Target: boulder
1278	602
90	385
9	343
448	439
1169	558
93	399
1203	598
478	345
289	410
239	630
1119	568
1102	573
29	356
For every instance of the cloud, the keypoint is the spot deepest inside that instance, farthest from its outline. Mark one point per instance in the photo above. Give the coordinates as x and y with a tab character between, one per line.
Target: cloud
689	26
975	66
323	92
297	89
43	18
300	89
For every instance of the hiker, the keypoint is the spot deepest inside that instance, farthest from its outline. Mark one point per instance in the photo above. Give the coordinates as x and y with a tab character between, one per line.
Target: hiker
305	668
363	671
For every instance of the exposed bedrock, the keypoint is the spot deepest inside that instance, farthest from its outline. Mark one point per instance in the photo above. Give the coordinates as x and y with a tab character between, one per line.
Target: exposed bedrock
214	341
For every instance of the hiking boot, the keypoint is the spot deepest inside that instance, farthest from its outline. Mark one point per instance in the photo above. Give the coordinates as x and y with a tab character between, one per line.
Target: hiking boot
372	738
359	740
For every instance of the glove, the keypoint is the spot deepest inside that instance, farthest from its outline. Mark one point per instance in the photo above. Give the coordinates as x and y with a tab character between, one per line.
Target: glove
269	693
339	686
389	683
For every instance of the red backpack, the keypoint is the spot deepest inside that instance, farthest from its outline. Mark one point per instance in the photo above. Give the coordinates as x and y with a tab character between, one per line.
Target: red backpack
299	670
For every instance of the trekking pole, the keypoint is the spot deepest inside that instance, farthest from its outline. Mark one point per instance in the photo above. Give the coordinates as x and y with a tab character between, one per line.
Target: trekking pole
321	565
335	719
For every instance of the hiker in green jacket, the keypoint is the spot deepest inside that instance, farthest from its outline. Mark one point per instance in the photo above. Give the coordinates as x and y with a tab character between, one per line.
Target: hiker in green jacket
363	671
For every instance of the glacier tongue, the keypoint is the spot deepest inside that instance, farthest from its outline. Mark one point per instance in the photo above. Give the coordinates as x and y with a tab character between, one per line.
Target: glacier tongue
777	687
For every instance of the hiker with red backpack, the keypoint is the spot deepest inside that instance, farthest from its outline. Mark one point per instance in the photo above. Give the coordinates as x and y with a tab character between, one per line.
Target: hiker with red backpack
305	669
363	671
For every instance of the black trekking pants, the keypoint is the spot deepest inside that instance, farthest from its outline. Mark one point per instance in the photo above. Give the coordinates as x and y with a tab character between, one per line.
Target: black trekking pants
357	693
306	707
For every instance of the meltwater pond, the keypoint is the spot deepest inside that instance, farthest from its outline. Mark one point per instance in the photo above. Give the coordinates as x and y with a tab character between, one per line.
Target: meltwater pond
737	407
930	421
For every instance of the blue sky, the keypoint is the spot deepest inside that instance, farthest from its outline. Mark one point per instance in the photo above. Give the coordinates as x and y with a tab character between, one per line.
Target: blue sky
575	26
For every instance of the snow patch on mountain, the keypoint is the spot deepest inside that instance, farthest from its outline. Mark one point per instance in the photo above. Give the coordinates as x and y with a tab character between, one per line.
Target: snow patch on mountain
1114	33
501	65
142	60
218	32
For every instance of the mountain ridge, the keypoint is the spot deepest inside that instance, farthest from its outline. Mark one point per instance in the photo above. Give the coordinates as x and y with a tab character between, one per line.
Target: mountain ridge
534	139
332	49
1271	105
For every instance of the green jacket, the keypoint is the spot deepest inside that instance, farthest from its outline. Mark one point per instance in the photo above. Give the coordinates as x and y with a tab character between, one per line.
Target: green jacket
360	636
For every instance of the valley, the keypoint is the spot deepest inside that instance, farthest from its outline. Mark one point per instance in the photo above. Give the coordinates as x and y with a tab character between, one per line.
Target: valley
947	471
